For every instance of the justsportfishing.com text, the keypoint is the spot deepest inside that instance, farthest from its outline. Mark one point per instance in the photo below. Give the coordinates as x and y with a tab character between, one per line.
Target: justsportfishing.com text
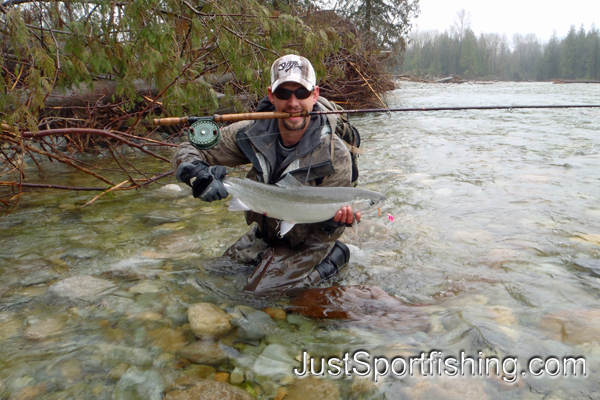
435	363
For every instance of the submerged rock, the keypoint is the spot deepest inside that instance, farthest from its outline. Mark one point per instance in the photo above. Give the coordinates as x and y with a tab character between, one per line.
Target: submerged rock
124	354
275	362
208	321
206	352
134	383
169	339
10	326
209	390
156	218
573	326
43	329
237	376
254	325
313	388
275	313
136	268
82	287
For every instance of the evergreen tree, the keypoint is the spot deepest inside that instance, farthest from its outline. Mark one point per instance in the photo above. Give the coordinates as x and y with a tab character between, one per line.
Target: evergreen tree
568	54
593	52
170	48
469	63
551	66
386	22
457	50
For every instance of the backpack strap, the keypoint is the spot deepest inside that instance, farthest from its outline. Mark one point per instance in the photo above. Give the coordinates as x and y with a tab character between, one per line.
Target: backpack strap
353	149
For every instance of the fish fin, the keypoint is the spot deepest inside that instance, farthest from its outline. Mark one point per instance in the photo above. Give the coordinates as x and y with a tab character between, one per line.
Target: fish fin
237	205
285	227
355	228
288	181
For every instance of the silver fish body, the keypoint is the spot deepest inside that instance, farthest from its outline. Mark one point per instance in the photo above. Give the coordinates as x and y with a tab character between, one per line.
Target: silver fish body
298	204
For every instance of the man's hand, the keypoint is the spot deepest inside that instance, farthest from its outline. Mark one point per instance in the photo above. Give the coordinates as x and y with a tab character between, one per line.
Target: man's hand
345	216
204	180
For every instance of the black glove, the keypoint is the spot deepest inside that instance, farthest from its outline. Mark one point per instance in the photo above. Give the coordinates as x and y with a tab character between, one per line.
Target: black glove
204	180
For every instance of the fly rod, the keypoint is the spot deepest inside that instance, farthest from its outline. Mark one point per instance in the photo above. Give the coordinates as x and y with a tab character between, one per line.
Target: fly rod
274	115
204	133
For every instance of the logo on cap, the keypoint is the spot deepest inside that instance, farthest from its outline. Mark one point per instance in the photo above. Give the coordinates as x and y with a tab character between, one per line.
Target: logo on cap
288	65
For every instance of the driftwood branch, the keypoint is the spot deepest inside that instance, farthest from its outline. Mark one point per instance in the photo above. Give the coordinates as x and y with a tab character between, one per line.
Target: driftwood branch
85	131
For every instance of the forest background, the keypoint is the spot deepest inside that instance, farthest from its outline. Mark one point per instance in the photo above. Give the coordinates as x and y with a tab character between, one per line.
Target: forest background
459	51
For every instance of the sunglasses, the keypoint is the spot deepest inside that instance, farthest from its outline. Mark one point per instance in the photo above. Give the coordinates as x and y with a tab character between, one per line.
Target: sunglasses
300	93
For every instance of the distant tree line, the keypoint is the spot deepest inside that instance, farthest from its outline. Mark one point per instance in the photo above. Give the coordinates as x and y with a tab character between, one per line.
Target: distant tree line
459	51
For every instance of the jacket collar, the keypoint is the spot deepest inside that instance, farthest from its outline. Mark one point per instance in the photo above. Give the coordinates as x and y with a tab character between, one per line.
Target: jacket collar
264	133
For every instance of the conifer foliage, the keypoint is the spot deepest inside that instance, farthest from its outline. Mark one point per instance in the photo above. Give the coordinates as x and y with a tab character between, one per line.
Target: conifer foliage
494	56
164	53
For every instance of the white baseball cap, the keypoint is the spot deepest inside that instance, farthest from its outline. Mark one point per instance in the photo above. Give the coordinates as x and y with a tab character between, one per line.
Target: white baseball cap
293	68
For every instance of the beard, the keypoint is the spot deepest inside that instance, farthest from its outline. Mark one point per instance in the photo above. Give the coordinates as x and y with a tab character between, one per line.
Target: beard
294	125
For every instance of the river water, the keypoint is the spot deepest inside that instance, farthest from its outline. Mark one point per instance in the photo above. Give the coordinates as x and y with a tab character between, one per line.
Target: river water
493	253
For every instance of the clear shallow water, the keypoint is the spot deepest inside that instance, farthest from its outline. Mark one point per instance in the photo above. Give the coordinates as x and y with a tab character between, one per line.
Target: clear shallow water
495	245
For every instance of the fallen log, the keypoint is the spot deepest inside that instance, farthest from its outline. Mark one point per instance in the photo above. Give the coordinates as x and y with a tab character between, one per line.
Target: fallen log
562	81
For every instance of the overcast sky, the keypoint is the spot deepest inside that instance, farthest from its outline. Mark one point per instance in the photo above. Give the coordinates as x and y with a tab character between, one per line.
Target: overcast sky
541	17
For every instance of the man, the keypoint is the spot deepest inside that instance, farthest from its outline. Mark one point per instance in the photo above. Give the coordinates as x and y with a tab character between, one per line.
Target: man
305	147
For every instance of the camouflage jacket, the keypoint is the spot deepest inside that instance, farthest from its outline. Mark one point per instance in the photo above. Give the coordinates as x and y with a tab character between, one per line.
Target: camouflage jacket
321	158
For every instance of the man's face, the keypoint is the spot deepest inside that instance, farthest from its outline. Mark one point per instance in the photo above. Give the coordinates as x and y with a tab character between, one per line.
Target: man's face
293	105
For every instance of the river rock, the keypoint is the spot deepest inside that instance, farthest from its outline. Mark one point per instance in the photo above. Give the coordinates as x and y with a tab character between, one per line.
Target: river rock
209	390
274	362
147	385
237	376
71	370
136	268
593	239
117	372
196	372
275	313
160	217
448	389
124	354
144	287
281	393
83	288
590	264
254	325
170	191
221	376
573	326
206	352
43	329
10	326
313	388
120	305
169	339
208	321
180	242
31	392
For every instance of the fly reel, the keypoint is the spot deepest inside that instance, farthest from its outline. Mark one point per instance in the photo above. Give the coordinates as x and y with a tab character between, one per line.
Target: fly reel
204	134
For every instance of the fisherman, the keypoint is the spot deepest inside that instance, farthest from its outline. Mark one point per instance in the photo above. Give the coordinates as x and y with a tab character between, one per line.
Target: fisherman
306	148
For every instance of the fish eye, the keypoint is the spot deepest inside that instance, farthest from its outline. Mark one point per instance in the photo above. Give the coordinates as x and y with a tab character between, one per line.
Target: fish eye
373	202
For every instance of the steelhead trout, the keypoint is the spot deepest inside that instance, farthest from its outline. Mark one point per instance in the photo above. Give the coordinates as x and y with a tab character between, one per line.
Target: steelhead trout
293	203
